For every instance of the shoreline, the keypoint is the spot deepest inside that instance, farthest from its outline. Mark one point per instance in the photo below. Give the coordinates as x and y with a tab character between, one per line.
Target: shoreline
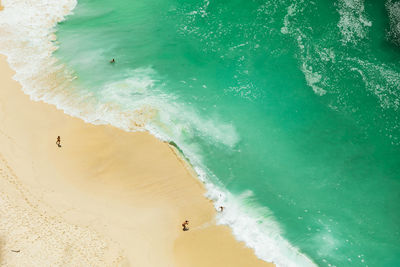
128	191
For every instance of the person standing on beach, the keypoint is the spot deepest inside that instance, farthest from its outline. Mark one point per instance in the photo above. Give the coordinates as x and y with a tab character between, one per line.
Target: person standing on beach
58	142
184	225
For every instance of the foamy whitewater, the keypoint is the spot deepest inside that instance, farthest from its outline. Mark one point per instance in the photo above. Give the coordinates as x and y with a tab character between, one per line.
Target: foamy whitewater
288	110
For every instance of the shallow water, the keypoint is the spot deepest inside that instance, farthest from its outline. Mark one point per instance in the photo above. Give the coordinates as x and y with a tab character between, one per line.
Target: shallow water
288	109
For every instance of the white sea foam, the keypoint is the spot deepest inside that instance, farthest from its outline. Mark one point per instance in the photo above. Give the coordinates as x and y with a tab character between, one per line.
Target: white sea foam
255	226
291	11
202	10
148	106
313	78
132	104
385	84
393	9
353	22
383	81
27	40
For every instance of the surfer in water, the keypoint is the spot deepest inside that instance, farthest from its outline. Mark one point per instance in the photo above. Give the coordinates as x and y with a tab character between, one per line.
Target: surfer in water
112	61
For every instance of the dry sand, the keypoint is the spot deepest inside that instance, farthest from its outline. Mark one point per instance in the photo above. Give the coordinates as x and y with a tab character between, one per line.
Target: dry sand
105	198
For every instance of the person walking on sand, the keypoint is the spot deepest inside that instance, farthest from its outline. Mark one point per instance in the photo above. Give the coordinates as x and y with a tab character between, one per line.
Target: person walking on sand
58	142
184	225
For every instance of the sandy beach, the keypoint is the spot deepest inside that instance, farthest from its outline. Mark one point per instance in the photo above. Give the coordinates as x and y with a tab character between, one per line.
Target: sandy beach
104	198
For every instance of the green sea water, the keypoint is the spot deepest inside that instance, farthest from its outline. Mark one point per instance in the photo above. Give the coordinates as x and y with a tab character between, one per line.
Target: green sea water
289	110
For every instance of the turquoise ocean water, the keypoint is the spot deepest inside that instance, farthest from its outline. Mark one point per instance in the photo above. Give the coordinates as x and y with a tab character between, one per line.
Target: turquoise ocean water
289	110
